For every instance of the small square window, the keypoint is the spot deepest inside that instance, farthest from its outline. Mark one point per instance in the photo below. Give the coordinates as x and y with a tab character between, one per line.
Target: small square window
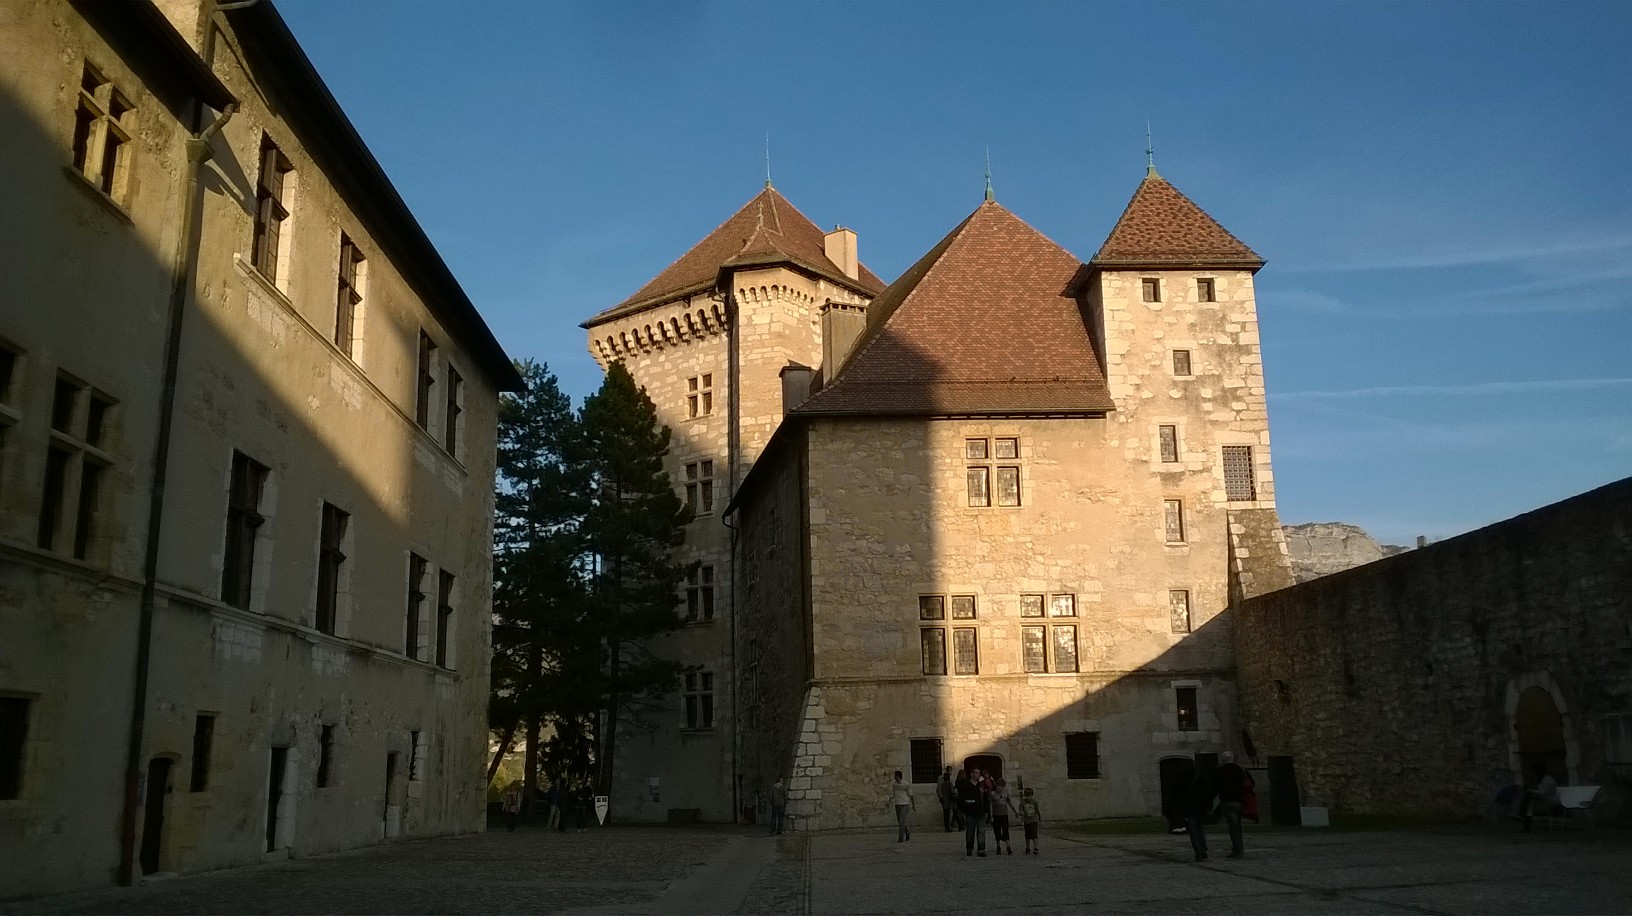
1169	436
963	607
931	607
1007	449
1062	605
1204	290
974	449
1151	288
1181	363
1031	605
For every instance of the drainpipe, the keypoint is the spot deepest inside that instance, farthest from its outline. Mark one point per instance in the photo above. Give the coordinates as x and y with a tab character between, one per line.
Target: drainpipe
185	264
734	445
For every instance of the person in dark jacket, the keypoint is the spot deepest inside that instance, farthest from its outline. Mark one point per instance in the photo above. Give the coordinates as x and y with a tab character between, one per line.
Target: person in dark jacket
1198	803
972	805
948	798
1232	784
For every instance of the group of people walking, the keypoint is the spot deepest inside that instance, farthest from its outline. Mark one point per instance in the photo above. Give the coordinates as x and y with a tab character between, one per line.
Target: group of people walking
1231	787
972	799
562	801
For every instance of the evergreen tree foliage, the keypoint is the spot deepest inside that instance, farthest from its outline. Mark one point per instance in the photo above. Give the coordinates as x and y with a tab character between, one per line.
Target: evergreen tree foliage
586	525
634	523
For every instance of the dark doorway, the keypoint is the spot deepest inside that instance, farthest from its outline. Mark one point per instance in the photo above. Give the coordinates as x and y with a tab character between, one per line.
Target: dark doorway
158	789
990	764
274	795
1539	729
1283	793
1176	773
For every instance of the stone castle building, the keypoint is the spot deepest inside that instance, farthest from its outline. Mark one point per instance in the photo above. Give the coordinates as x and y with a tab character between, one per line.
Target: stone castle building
247	424
986	516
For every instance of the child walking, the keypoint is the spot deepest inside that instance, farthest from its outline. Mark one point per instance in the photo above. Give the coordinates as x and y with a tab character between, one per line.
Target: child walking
1031	815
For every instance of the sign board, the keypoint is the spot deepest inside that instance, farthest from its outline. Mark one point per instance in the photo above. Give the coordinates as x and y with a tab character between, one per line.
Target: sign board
600	809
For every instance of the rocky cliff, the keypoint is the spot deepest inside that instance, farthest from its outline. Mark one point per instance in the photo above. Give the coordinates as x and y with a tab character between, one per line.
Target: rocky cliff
1322	548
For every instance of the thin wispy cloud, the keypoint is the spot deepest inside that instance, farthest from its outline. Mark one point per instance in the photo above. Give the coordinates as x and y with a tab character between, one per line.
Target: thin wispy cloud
1475	389
1483	257
1301	299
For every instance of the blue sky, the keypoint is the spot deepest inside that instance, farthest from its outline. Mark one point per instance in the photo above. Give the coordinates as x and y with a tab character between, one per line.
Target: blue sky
1441	190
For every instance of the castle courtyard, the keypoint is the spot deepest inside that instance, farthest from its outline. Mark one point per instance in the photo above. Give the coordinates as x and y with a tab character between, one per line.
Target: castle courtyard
657	870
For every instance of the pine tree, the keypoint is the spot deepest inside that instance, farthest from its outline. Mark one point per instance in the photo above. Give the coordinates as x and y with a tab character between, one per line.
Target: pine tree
633	525
539	576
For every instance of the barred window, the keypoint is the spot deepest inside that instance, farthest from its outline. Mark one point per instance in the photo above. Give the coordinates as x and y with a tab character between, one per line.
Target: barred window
1082	755
1239	485
926	760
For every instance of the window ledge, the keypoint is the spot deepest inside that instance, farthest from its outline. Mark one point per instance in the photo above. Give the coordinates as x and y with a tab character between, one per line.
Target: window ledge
79	180
699	730
66	562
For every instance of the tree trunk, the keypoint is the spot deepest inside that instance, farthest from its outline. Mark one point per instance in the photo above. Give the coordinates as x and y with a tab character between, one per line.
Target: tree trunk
504	748
535	667
611	737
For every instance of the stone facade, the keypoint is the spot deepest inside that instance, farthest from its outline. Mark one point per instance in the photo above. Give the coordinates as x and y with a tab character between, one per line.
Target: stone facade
738	334
1322	548
887	523
379	731
1421	683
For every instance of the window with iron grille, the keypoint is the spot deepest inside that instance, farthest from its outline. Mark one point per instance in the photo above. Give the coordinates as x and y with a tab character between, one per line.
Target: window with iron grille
1082	755
331	561
244	520
103	125
203	743
325	755
1181	363
427	380
1178	600
965	651
1189	712
348	296
13	744
271	209
1151	289
700	395
1204	290
700	487
700	594
1173	520
932	641
926	760
444	616
417	567
1169	436
1239	485
699	697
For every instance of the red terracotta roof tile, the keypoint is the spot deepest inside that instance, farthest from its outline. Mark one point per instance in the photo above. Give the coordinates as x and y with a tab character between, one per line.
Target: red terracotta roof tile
986	323
1162	227
767	230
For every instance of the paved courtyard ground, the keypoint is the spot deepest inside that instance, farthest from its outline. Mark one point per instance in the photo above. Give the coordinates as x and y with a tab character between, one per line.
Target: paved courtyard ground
726	870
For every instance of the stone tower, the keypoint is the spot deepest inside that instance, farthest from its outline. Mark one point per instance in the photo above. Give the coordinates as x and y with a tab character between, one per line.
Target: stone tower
709	338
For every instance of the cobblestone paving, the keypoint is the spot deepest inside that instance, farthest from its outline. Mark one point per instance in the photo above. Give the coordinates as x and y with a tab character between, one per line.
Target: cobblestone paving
729	870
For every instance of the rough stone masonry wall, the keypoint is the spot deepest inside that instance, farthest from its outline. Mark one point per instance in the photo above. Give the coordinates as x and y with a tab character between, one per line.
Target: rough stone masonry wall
1391	684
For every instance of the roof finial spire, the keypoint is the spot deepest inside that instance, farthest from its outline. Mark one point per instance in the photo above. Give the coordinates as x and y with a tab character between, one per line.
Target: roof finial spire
767	160
989	195
1150	154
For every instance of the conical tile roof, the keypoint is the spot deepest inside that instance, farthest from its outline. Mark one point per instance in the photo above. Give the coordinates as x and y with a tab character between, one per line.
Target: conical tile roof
987	322
1163	228
767	230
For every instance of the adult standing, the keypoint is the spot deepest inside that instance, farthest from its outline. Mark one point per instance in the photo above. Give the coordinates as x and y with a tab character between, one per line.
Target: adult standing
1198	803
512	802
948	798
901	798
1001	805
559	799
585	801
970	802
779	804
1233	783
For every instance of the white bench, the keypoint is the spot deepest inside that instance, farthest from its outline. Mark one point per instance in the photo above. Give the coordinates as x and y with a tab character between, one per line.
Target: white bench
1573	798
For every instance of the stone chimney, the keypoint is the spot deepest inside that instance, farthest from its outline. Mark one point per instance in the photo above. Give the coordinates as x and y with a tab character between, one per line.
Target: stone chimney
841	250
796	380
842	325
